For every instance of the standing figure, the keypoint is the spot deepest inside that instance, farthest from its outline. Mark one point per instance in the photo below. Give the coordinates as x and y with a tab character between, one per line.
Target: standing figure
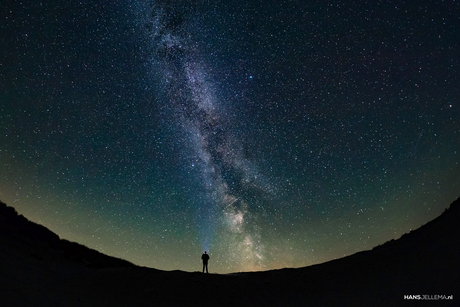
205	258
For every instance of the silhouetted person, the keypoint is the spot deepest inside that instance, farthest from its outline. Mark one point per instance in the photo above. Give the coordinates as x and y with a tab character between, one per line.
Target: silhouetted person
205	258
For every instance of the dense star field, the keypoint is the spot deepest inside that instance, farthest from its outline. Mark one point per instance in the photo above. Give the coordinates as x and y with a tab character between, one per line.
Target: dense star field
269	133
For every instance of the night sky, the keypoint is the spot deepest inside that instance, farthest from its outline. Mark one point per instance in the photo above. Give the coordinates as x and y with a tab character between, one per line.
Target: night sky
270	133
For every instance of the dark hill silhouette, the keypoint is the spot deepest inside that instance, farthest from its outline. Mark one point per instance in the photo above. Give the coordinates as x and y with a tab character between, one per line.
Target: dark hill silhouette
44	243
39	269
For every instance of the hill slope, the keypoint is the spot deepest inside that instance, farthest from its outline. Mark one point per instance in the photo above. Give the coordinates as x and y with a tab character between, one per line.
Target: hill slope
39	269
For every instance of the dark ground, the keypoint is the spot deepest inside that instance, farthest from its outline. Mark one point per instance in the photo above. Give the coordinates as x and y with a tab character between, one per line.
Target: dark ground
39	269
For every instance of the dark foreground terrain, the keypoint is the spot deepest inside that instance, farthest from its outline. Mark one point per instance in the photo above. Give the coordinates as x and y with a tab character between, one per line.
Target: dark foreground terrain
37	268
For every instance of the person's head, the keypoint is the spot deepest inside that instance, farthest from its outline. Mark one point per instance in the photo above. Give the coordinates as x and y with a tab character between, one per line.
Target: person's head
205	252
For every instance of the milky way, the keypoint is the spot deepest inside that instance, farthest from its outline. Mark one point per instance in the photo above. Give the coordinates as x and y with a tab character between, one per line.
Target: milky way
226	184
270	133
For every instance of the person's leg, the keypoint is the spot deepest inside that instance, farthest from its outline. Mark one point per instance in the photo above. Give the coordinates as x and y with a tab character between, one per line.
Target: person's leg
203	267
206	268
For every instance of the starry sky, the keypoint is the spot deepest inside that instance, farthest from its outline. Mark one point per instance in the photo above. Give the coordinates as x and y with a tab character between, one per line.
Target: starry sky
270	133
